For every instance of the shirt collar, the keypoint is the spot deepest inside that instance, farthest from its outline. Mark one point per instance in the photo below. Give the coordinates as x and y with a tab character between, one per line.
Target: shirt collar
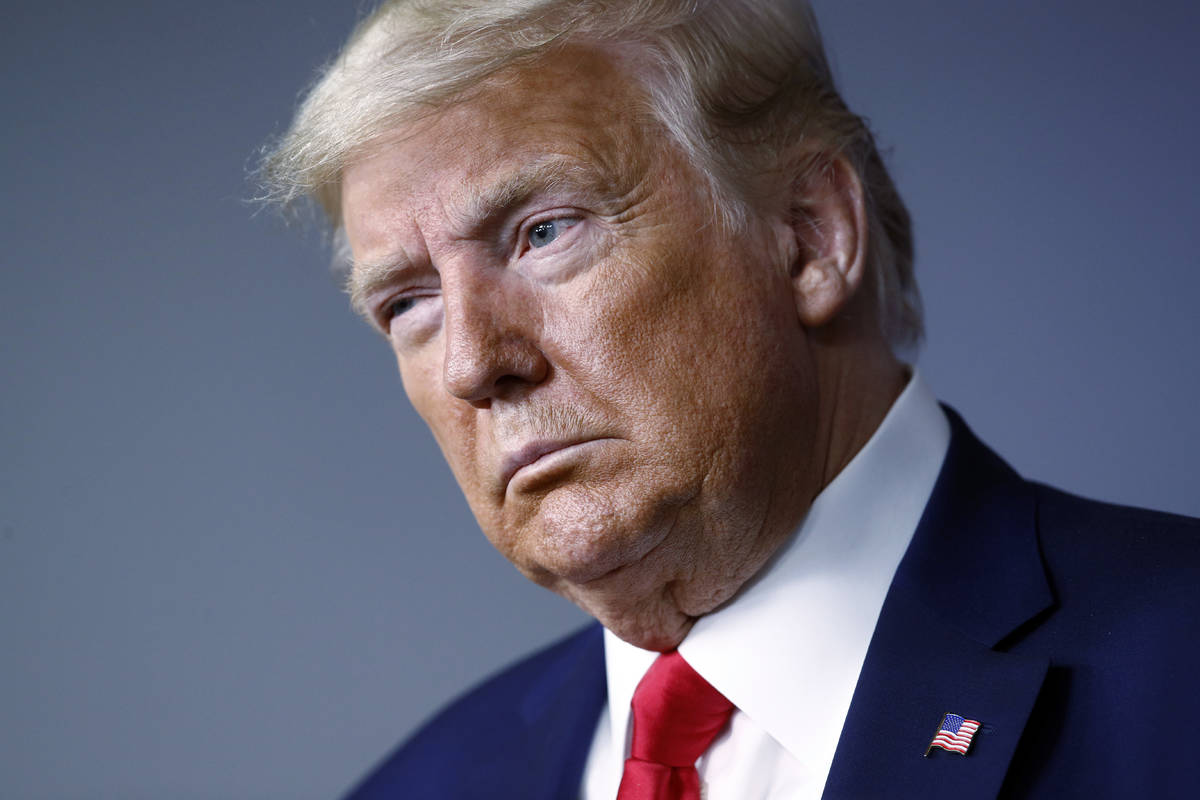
787	650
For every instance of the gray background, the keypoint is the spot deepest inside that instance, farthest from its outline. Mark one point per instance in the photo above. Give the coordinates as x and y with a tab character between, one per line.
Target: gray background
232	563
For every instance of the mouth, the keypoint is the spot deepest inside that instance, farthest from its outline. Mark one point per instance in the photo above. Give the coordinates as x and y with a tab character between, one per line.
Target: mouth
534	454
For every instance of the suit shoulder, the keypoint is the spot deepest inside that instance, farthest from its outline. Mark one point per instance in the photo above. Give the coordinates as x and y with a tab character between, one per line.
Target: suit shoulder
529	680
477	732
1134	539
1129	575
1120	643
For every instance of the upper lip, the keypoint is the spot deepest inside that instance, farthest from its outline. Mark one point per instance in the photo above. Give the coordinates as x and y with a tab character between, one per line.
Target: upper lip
531	452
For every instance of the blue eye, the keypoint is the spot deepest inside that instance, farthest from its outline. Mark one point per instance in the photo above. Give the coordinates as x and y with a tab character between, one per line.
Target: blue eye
546	232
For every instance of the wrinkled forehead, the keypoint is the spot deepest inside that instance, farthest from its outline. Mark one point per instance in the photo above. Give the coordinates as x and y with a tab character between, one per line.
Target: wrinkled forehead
572	126
572	116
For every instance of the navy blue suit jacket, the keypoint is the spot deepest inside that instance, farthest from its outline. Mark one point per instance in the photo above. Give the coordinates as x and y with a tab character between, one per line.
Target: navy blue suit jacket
1067	627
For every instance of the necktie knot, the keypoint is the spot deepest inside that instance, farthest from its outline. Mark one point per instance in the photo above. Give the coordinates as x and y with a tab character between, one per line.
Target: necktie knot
676	716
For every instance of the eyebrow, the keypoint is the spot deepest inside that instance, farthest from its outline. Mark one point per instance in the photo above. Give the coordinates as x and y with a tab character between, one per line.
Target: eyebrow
365	278
476	208
547	174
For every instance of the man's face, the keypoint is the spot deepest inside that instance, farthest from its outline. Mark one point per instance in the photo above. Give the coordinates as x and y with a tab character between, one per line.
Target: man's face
620	387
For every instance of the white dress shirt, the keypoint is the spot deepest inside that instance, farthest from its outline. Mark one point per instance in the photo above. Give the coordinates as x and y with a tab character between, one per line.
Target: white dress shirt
787	650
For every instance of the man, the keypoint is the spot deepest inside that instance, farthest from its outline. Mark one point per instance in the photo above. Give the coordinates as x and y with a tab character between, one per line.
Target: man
644	275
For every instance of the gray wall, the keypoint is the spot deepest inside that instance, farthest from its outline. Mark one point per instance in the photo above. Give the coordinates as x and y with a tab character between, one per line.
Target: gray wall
232	563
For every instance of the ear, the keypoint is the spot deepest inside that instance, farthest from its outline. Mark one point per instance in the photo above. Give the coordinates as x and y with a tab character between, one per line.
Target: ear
829	223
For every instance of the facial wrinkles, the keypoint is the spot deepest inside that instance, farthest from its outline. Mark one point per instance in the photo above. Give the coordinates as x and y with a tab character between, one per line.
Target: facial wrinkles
468	435
657	343
569	410
475	434
521	422
462	212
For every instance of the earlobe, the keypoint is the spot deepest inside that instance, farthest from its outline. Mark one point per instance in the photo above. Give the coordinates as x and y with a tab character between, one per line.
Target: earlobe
821	290
828	221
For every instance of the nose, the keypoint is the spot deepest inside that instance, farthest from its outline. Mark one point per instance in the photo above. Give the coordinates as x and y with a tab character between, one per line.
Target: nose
490	335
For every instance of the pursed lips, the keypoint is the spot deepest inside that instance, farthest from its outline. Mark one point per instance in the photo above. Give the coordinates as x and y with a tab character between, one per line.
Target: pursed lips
533	452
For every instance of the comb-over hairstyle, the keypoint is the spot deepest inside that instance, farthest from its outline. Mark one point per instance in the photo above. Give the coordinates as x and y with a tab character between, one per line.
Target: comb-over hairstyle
742	87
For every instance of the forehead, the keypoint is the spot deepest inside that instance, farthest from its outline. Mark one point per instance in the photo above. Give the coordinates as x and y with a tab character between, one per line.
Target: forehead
576	106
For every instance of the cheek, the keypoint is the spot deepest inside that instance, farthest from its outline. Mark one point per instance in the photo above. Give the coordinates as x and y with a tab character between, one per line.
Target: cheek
421	383
676	325
621	330
450	420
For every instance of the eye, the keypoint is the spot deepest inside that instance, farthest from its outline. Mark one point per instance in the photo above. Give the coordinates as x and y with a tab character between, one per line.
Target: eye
398	307
544	233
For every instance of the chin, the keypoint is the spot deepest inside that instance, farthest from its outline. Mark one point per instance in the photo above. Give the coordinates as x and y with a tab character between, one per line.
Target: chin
582	537
581	530
649	622
661	639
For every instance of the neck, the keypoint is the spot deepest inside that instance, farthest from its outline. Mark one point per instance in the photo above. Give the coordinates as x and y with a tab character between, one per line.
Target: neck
712	552
857	385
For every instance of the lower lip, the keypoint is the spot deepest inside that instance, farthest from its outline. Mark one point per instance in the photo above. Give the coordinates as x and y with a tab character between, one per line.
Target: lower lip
551	464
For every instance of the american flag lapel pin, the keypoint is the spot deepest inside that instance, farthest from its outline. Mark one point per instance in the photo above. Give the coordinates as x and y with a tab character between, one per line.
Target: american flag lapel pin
954	733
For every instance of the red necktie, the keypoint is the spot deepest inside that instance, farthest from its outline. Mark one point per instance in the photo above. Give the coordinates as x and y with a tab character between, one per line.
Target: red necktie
676	716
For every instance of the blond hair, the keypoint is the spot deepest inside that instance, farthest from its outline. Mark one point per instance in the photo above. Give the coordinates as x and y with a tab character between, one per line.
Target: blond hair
737	84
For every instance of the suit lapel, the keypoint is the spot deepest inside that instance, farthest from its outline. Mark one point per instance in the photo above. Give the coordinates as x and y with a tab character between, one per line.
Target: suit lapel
559	718
971	577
